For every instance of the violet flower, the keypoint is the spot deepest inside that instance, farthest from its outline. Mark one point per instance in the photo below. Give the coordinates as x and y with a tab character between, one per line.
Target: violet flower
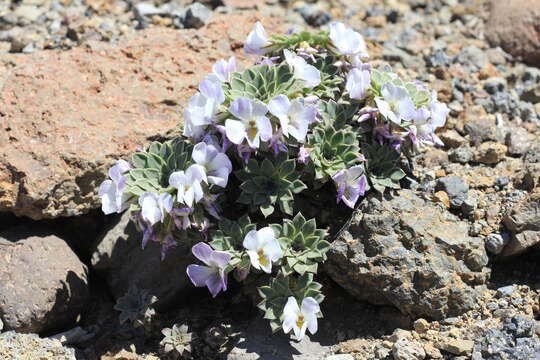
358	83
155	206
257	41
167	244
188	184
223	68
351	184
395	104
212	275
252	124
180	217
303	155
217	164
348	42
294	117
111	192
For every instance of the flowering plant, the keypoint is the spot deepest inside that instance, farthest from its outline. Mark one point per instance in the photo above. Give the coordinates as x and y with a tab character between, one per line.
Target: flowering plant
270	143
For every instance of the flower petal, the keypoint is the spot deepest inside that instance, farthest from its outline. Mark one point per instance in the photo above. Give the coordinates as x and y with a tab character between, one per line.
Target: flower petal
199	274
203	252
251	241
235	130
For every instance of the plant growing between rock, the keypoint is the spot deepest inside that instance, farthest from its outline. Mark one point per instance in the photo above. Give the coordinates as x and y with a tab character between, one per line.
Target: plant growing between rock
308	117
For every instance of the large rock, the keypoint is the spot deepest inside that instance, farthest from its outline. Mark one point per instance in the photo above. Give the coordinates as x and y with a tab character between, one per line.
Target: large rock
15	346
119	260
43	285
514	25
66	116
409	253
523	222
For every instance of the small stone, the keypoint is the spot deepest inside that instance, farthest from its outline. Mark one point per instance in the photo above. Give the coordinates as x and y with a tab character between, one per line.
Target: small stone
505	291
468	206
197	15
313	15
495	84
457	346
452	139
400	334
432	352
146	9
442	197
490	153
450	321
28	12
461	155
455	187
517	141
501	182
492	306
421	325
495	242
15	346
404	349
339	357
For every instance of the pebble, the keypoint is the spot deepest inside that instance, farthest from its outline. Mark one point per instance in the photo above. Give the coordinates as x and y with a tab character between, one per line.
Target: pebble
461	155
313	15
456	189
197	15
339	357
421	325
490	153
517	141
505	291
457	346
405	349
496	242
495	84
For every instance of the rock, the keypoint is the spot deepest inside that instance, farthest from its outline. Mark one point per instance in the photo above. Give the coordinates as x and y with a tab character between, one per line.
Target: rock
495	242
15	346
456	189
490	153
505	291
58	138
339	357
313	15
457	346
495	84
421	326
197	15
442	197
50	298
523	222
517	141
512	25
461	155
409	253
452	139
146	9
404	349
432	352
120	261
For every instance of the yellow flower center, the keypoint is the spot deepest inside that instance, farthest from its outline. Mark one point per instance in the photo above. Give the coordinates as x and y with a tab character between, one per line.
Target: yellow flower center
300	321
262	258
252	129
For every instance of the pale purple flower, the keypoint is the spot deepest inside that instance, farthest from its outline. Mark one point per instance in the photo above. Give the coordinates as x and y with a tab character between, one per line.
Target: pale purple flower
300	318
167	244
212	275
302	70
217	164
146	228
257	41
303	155
199	113
263	248
188	184
277	143
111	192
223	68
367	113
154	206
347	41
294	117
252	124
395	104
211	87
426	121
358	83
351	184
439	111
181	217
382	133
270	61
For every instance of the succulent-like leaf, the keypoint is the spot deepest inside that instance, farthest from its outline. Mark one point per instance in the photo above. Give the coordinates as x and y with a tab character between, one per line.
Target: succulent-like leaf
330	81
262	83
332	150
382	167
274	296
300	39
176	341
230	237
303	243
136	307
270	183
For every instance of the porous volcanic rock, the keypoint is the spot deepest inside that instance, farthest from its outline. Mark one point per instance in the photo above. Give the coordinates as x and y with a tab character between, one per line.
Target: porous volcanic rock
120	261
523	222
65	117
409	253
514	25
43	284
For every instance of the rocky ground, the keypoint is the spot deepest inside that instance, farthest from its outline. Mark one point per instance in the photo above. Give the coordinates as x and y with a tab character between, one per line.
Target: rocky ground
444	269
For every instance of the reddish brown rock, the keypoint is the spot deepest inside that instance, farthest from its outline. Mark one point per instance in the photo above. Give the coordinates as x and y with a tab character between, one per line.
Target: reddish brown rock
514	25
66	116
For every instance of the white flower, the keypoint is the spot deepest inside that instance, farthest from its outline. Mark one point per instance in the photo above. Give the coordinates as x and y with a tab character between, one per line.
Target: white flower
155	206
217	164
294	117
252	125
439	111
223	68
348	42
188	184
263	248
395	105
111	192
198	114
358	83
300	318
351	184
257	41
302	69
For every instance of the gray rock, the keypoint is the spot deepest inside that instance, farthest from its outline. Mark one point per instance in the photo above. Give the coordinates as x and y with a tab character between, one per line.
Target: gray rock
404	349
461	155
456	189
457	346
197	15
505	291
120	261
495	84
517	141
523	222
472	55
339	357
409	253
469	206
495	242
313	15
438	59
43	285
146	9
15	346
